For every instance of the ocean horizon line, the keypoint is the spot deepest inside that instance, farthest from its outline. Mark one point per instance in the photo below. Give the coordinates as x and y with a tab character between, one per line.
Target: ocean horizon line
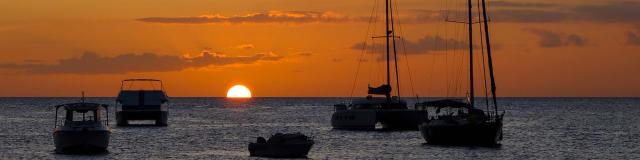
501	97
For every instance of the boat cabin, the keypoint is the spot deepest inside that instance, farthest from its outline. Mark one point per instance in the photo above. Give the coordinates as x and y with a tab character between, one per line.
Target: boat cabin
450	109
82	130
378	103
81	113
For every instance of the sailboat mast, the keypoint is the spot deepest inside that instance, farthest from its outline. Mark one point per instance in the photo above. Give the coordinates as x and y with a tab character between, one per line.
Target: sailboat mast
388	32
395	51
490	61
471	88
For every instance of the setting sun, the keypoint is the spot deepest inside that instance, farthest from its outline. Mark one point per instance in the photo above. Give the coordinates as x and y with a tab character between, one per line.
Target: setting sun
239	91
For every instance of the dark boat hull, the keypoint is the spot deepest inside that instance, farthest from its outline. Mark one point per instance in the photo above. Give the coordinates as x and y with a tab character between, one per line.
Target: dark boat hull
94	141
354	120
123	117
391	119
289	150
441	132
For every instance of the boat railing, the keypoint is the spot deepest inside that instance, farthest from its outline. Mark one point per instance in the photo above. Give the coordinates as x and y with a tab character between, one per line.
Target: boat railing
63	122
491	115
128	84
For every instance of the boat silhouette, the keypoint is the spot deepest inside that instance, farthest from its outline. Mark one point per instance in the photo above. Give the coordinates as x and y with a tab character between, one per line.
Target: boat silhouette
288	145
82	130
142	103
460	121
380	107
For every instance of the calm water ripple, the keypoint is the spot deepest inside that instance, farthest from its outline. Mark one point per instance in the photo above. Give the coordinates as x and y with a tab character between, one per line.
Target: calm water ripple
213	128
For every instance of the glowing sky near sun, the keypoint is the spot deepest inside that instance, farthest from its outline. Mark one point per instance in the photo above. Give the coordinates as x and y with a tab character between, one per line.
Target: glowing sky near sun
307	48
239	91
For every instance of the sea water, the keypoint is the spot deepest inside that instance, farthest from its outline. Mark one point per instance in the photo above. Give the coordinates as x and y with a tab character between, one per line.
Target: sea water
217	128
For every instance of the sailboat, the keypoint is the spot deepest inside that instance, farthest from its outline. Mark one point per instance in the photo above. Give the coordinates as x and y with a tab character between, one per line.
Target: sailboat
460	122
379	107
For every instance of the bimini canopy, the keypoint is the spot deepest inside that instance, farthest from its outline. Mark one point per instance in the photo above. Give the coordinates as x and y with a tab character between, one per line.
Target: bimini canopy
382	90
82	107
453	103
141	84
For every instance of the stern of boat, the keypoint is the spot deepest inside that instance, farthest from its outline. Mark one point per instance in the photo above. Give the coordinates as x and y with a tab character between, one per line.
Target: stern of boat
354	119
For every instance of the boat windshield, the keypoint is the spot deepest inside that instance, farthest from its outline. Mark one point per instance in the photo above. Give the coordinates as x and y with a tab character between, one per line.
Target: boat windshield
82	115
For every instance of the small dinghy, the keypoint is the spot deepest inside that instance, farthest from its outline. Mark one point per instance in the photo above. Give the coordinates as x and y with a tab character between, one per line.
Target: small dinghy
289	145
82	131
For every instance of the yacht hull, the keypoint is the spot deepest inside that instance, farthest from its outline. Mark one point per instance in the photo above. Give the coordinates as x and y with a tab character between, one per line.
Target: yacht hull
89	141
354	119
445	132
366	119
123	117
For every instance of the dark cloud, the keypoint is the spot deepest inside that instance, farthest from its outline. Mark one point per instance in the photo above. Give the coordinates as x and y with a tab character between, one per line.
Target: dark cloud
423	45
547	39
422	16
633	37
576	40
263	17
611	11
614	11
527	16
500	11
521	4
521	15
550	39
507	11
92	63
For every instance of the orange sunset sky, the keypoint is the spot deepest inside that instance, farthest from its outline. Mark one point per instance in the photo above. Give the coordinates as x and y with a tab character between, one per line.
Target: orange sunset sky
310	47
